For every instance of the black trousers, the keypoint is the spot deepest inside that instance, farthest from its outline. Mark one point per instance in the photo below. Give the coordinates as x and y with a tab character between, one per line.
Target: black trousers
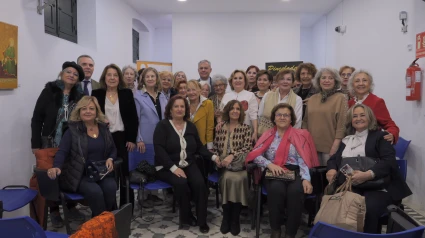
186	189
101	195
279	192
119	140
376	205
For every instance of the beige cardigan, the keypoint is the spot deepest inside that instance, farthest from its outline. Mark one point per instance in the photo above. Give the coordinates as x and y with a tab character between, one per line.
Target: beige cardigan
326	121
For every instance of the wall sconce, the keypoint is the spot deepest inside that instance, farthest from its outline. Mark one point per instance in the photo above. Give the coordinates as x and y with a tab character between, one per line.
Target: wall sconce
41	5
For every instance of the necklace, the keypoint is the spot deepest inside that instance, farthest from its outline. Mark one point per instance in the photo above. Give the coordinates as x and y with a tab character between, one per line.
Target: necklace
94	134
111	95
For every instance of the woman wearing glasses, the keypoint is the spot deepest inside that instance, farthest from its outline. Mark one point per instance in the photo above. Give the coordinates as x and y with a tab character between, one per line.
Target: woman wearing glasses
219	82
345	73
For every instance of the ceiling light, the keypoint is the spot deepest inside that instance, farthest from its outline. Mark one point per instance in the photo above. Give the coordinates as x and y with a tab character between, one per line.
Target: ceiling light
286	0
181	0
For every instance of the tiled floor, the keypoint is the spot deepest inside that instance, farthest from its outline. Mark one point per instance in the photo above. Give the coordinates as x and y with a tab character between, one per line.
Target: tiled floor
161	222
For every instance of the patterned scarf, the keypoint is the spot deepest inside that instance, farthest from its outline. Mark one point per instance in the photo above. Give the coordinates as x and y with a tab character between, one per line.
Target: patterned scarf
327	93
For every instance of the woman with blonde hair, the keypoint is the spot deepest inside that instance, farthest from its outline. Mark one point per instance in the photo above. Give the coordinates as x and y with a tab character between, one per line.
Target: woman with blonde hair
179	76
284	94
167	83
85	157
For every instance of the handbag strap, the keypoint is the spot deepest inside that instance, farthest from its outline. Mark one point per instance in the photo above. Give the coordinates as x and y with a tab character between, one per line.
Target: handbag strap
346	186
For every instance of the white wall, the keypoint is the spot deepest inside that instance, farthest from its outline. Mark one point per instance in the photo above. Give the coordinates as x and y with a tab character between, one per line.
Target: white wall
306	44
40	60
233	41
374	41
162	45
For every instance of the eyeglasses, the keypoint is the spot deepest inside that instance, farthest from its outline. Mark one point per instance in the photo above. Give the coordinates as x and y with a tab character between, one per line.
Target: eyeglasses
345	75
278	115
219	85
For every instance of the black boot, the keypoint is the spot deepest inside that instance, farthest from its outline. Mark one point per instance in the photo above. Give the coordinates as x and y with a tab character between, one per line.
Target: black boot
236	213
225	222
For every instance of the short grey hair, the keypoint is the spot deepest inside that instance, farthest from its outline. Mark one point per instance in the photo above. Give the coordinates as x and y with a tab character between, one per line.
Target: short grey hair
353	75
204	61
84	56
130	67
333	72
219	77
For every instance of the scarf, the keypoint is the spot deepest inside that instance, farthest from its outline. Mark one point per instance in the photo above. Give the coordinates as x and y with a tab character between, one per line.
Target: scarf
183	155
292	98
300	138
327	93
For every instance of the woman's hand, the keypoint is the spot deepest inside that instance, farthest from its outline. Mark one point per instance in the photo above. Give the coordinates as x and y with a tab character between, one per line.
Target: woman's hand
254	137
141	147
53	172
218	162
276	170
228	160
330	175
360	177
334	147
130	146
180	173
390	138
218	127
109	164
308	188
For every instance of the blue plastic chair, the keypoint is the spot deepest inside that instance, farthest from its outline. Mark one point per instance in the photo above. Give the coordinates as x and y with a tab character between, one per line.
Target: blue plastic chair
134	158
213	179
323	230
401	147
49	189
25	227
13	197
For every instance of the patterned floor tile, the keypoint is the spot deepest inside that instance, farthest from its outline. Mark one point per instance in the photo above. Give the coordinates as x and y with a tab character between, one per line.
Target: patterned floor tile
161	222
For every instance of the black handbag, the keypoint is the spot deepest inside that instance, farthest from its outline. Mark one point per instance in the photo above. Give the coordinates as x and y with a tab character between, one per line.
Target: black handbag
97	170
148	170
138	178
364	164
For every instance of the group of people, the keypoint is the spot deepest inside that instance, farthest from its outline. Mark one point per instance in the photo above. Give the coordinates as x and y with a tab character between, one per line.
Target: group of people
286	124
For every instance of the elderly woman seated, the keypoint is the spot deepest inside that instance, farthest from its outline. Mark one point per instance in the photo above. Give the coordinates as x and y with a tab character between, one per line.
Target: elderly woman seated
366	142
231	147
287	153
85	157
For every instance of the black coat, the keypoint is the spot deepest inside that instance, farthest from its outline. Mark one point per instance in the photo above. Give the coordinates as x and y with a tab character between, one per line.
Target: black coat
72	150
167	145
378	147
127	110
46	111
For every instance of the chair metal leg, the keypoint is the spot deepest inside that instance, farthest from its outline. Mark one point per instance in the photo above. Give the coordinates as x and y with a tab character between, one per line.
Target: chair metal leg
258	213
65	215
254	209
1	209
174	203
216	196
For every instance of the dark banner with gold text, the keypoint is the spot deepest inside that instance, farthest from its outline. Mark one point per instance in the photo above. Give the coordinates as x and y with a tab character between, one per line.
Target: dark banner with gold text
275	67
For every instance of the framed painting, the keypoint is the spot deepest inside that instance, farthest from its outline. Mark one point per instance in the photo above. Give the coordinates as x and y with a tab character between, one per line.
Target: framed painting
8	56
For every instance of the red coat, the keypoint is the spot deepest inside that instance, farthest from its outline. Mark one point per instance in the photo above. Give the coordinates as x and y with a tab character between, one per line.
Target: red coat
382	115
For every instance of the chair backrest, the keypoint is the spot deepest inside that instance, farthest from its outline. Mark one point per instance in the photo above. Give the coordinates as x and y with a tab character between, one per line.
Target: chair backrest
123	218
399	221
318	179
401	147
135	157
48	188
21	227
402	167
323	230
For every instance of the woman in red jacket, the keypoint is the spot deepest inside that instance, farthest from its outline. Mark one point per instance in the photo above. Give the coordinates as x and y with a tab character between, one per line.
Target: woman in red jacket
361	87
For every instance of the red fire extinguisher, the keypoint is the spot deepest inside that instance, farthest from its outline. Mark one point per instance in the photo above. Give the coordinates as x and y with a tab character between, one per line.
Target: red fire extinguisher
413	82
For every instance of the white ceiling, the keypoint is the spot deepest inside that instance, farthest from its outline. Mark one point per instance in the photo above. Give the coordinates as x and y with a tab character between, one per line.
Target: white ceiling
159	12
